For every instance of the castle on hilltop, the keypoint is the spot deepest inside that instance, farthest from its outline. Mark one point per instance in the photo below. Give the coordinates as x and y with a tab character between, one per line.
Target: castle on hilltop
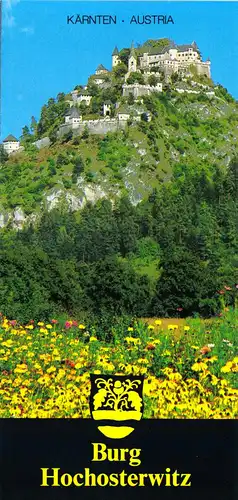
170	59
156	62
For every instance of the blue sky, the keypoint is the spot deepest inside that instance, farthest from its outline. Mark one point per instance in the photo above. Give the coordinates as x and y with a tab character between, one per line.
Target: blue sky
42	55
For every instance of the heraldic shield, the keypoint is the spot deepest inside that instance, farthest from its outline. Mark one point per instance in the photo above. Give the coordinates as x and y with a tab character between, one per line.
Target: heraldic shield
116	400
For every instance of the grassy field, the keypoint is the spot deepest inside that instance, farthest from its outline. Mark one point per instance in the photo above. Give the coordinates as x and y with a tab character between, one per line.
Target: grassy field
190	366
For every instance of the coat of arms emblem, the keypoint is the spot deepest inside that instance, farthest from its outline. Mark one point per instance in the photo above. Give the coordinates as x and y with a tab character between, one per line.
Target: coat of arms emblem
116	401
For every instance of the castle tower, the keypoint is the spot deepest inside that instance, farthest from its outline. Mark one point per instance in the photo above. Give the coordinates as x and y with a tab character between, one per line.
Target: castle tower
132	61
115	57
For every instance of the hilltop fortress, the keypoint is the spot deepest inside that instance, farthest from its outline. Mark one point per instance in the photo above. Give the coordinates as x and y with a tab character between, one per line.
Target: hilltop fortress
171	59
146	70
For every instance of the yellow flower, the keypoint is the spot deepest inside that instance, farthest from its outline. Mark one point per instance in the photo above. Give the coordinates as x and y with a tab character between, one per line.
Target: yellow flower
194	347
186	328
130	329
82	327
172	327
44	380
198	367
8	343
29	327
212	359
40	323
97	372
227	367
49	327
52	369
21	368
158	322
132	340
43	330
93	339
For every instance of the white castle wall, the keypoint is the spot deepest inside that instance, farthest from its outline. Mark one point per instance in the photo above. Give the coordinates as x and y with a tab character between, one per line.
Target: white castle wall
138	90
100	127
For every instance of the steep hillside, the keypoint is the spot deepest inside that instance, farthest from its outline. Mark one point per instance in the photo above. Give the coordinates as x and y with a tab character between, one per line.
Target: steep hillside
195	131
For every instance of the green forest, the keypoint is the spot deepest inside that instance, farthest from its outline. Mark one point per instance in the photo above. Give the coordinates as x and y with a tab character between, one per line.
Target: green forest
175	253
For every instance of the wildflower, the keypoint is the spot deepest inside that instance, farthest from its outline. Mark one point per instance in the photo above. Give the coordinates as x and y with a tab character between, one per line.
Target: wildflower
29	327
150	347
68	324
179	309
195	347
186	328
82	327
130	329
52	369
93	339
74	323
21	368
13	322
69	363
40	323
132	340
172	327
227	367
151	327
158	322
48	327
54	321
205	349
211	345
43	330
228	288
212	359
197	367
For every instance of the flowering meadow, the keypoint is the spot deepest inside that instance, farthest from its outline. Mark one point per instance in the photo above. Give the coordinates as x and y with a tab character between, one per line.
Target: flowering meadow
190	366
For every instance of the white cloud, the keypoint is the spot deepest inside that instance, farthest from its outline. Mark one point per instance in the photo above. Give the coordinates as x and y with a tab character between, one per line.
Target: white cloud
10	3
8	19
28	30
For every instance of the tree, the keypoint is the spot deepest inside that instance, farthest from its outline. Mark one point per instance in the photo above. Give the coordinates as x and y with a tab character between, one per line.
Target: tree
33	126
135	78
124	56
53	136
120	70
3	154
153	80
60	97
85	134
67	136
130	99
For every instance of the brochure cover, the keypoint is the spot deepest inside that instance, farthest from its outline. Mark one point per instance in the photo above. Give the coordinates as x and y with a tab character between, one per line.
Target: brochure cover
118	250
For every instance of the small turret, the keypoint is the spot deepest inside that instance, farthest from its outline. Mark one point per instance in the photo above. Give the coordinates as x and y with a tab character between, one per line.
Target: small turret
115	57
115	52
132	61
